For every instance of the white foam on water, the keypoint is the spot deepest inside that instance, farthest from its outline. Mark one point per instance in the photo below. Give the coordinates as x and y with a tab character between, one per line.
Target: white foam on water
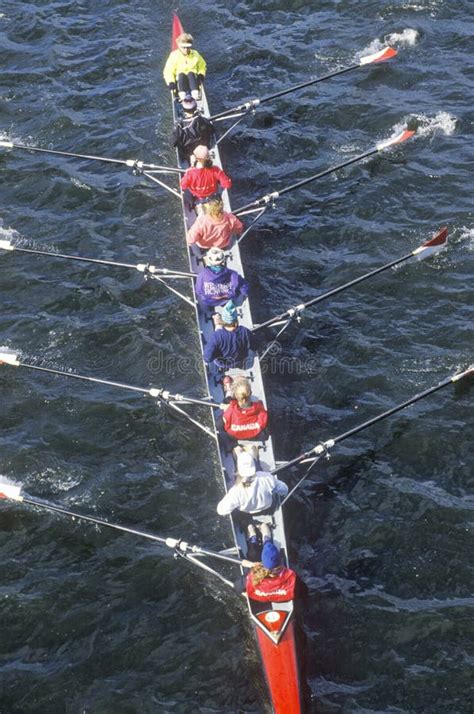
425	125
79	184
428	126
7	233
405	38
467	234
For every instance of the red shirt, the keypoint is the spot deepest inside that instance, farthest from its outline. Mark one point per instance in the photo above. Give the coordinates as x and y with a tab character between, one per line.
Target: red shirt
278	589
246	422
205	182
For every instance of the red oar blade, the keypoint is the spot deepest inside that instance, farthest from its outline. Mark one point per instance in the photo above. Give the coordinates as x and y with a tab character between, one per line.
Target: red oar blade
398	139
434	245
381	56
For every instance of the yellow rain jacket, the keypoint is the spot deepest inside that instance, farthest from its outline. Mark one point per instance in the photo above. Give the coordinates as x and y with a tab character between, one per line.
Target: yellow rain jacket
177	63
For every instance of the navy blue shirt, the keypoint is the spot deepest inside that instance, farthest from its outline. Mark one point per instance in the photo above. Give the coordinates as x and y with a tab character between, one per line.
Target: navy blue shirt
229	348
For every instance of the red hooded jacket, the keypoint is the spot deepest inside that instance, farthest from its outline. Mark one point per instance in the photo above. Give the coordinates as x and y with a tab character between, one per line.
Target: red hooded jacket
245	423
278	589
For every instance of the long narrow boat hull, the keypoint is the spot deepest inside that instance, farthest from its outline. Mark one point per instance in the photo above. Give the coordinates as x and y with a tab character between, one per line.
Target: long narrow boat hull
274	626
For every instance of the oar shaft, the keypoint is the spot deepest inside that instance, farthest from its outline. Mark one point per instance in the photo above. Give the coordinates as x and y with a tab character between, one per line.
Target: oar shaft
324	447
84	378
331	293
66	256
294	88
356	281
131	163
389	412
55	152
144	267
91	519
183	547
310	82
326	172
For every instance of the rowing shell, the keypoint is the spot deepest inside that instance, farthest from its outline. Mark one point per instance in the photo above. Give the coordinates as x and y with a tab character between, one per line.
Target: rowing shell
274	623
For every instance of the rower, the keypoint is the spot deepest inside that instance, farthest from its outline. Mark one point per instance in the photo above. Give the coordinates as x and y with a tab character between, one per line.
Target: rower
203	179
230	345
255	493
245	418
214	227
192	130
185	68
216	284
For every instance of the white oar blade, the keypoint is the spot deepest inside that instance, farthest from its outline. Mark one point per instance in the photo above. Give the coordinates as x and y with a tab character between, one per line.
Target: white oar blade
381	56
9	357
6	144
433	246
398	139
467	372
8	490
6	245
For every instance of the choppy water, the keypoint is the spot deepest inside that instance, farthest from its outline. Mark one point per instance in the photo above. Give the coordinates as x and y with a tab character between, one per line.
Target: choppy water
97	622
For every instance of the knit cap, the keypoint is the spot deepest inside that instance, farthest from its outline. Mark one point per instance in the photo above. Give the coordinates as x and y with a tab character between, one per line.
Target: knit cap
229	313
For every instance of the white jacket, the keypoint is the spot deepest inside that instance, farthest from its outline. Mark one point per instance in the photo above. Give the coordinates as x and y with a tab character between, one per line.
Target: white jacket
254	497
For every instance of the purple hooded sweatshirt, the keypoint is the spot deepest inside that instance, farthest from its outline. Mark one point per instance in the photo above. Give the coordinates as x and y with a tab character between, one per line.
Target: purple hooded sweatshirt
218	288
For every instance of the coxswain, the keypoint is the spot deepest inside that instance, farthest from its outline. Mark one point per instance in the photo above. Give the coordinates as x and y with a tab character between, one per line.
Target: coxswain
185	69
229	346
192	130
216	284
203	179
244	417
214	227
270	581
254	492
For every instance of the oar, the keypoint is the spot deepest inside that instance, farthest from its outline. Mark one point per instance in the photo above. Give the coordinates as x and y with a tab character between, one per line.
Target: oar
432	246
134	164
12	358
270	198
141	267
325	446
13	493
385	54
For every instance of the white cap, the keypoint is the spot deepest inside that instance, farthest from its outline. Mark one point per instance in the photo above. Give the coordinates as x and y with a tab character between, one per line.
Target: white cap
246	466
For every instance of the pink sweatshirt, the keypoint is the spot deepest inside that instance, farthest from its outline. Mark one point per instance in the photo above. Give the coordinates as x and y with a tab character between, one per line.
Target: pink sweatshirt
208	233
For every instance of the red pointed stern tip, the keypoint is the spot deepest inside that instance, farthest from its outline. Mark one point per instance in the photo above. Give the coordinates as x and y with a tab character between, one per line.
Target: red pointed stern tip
273	620
176	31
280	663
439	239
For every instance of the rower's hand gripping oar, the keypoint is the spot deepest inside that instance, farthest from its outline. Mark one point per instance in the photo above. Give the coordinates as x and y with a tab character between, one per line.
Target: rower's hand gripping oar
137	166
181	548
430	247
324	447
162	395
270	198
385	54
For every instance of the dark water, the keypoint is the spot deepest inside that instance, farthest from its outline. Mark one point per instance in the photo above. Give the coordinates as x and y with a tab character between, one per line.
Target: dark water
95	622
